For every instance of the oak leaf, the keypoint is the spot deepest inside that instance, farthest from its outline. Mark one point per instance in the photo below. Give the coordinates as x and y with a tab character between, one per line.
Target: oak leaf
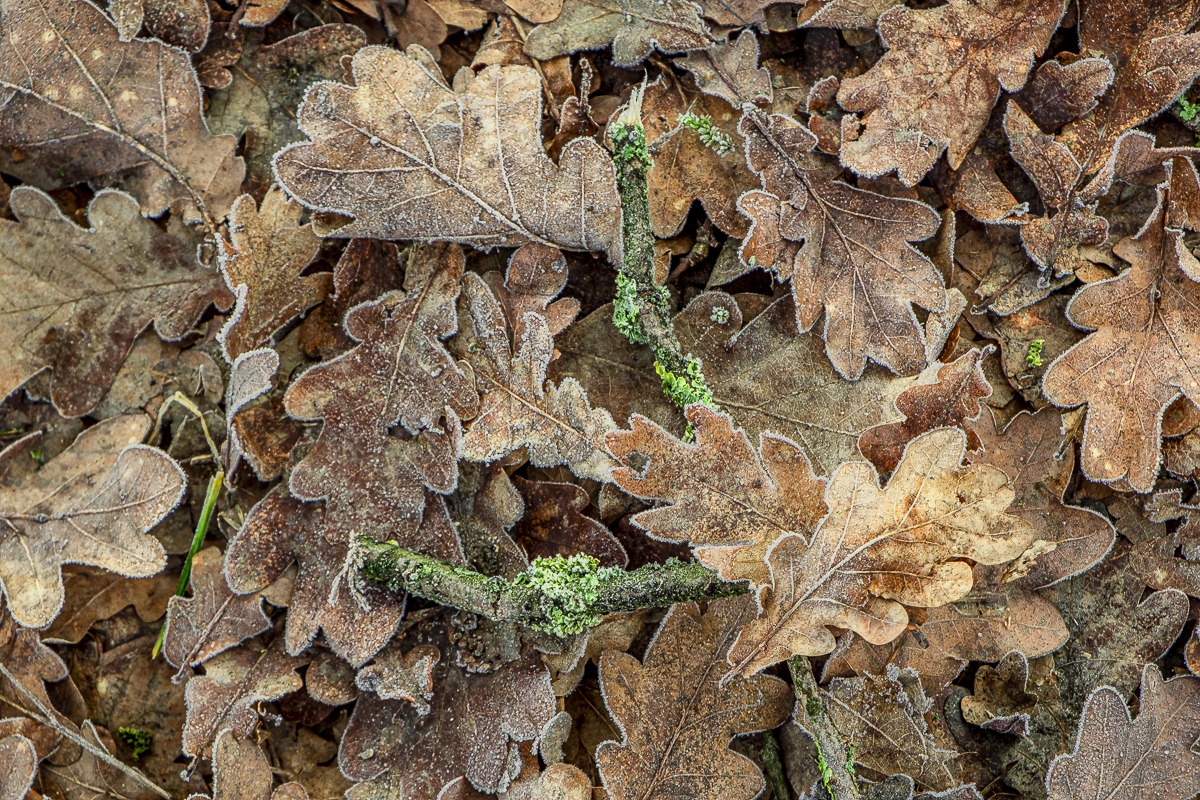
129	107
935	87
18	763
76	298
880	549
676	721
93	504
1148	758
730	71
554	524
241	772
262	265
182	23
1060	92
730	502
31	665
92	597
1143	355
846	250
468	162
634	28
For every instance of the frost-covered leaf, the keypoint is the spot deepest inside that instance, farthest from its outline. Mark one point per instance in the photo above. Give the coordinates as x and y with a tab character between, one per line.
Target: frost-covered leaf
1122	758
676	720
881	548
213	619
78	104
1143	356
408	157
18	764
75	298
634	28
730	502
554	524
402	675
935	87
730	71
93	504
241	772
847	251
268	251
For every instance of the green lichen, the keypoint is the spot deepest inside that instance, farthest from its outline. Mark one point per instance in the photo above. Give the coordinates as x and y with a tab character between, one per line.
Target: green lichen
567	588
138	740
688	388
719	315
710	135
1033	357
630	143
626	311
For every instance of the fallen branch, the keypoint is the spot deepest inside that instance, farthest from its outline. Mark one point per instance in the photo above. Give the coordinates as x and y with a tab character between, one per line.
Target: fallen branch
835	758
556	595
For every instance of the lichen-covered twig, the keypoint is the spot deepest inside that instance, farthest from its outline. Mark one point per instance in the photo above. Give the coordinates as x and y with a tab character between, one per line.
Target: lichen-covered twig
772	761
835	758
556	595
642	309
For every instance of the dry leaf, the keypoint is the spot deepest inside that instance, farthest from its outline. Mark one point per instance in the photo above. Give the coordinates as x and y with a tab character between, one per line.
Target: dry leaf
846	250
262	12
1144	354
554	525
92	597
241	772
634	28
401	131
130	107
18	763
845	13
1150	758
728	501
213	619
1060	92
394	675
93	504
676	720
882	548
952	401
269	249
1002	701
76	298
730	71
935	87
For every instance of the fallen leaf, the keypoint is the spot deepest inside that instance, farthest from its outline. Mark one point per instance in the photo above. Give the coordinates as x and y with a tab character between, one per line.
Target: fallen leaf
1144	354
269	250
846	250
213	619
935	87
134	108
18	762
241	772
846	13
92	597
1060	92
487	186
77	298
262	12
730	502
31	665
634	28
730	71
1001	701
93	504
396	675
554	525
952	401
1119	757
87	777
882	548
676	721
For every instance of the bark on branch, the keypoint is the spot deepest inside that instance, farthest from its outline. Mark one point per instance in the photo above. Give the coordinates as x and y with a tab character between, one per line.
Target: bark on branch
556	595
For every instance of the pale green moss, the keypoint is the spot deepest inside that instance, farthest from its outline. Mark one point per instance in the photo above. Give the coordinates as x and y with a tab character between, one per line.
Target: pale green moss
138	740
567	587
1033	357
630	143
685	389
626	311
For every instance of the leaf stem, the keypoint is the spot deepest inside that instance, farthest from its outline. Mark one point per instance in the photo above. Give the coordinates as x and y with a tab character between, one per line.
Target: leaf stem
556	595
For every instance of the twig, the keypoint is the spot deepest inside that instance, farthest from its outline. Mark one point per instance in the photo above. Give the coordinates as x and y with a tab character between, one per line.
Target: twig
834	758
772	760
46	716
557	595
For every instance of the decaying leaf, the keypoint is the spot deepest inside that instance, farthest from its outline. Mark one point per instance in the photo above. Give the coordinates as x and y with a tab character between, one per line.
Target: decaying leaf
935	87
213	619
730	71
1148	758
91	597
1144	354
728	501
634	28
676	719
402	132
241	772
880	549
76	298
124	107
268	251
18	763
1002	700
554	525
94	504
847	251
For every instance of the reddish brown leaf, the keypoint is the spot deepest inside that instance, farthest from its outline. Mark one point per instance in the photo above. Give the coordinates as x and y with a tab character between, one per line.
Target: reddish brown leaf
241	772
634	28
554	525
91	597
396	675
730	71
18	763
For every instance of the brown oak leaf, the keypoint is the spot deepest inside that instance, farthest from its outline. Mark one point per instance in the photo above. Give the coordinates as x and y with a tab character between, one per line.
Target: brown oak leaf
846	250
730	502
634	28
1060	92
18	763
241	772
93	596
76	298
93	504
845	13
402	675
213	619
675	718
402	132
880	549
554	525
952	401
183	23
130	107
31	665
1148	758
935	87
268	250
1143	355
730	71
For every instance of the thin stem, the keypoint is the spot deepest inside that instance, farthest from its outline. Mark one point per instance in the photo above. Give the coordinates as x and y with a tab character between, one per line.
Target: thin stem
772	760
